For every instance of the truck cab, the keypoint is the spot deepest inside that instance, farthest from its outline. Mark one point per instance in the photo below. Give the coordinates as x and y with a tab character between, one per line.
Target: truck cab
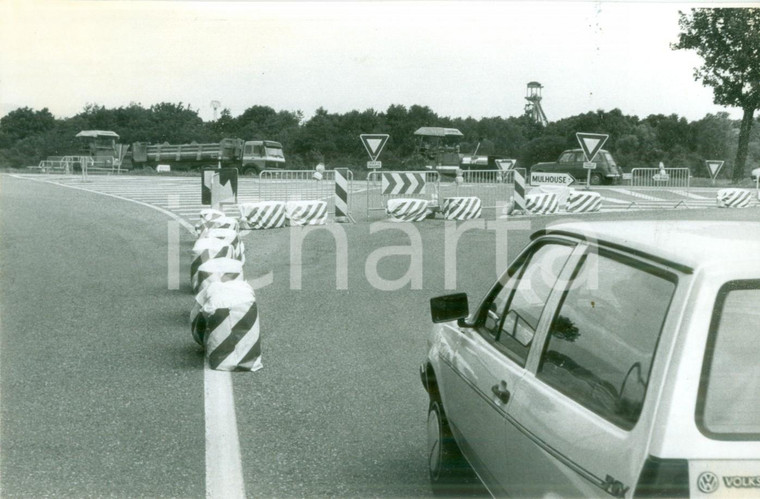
439	147
260	155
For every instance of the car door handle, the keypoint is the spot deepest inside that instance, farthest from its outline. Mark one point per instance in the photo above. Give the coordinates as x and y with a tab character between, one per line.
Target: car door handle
501	392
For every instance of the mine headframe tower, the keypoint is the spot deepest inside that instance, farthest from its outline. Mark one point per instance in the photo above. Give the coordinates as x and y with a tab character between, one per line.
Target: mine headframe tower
533	107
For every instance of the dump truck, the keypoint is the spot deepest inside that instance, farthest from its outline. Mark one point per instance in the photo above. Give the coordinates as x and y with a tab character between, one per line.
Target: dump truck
250	157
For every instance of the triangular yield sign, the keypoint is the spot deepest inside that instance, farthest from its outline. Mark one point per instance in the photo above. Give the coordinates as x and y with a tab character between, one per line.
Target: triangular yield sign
591	143
714	166
374	143
505	164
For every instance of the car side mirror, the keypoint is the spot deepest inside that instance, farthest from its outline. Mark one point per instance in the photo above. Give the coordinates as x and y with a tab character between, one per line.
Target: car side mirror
449	307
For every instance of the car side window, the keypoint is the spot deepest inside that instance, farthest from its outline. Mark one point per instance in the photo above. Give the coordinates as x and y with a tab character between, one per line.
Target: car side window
566	157
604	335
579	157
513	315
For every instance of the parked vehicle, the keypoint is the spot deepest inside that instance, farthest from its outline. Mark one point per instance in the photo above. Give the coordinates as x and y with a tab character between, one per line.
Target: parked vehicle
251	157
609	359
439	148
571	161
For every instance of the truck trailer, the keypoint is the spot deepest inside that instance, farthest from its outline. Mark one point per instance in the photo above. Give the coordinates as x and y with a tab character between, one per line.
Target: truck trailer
250	157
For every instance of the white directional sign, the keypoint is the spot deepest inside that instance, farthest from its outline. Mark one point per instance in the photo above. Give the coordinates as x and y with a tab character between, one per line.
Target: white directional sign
591	143
505	164
374	143
540	178
714	166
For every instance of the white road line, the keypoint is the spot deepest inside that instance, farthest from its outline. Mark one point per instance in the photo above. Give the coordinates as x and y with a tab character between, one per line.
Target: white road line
636	194
224	475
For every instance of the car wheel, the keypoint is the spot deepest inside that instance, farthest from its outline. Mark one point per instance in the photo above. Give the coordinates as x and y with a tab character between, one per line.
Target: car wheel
596	179
446	465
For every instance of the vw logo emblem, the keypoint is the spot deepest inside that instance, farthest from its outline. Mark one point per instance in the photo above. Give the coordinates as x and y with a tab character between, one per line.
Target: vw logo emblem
707	482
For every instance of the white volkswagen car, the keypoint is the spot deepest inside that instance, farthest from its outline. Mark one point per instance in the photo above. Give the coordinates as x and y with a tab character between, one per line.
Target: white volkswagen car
609	360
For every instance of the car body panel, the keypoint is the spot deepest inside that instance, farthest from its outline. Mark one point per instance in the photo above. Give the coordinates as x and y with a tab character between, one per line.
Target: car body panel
548	442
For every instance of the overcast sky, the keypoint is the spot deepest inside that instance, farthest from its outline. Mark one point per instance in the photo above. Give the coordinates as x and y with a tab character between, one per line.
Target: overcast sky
460	58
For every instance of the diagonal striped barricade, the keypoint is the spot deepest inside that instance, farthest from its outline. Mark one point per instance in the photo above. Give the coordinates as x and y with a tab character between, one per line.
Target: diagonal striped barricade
206	249
263	215
583	201
541	203
382	187
225	320
217	270
407	210
734	198
231	237
300	213
304	185
217	223
461	208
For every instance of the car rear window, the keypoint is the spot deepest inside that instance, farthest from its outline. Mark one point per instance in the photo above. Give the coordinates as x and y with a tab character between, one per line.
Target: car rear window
729	401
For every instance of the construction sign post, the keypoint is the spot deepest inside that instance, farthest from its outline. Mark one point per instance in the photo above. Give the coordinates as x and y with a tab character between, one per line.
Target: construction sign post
374	143
219	186
591	144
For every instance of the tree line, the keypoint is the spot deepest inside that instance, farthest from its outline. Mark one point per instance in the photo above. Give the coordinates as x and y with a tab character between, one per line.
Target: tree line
28	136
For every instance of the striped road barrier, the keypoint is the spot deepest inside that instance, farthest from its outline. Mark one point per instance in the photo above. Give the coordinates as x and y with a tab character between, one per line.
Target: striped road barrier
306	212
263	214
218	270
519	194
583	201
342	212
734	198
228	326
461	208
206	249
407	210
217	223
389	185
541	203
229	236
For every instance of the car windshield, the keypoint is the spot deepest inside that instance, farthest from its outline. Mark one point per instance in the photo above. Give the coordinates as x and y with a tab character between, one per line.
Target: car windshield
730	391
274	152
605	156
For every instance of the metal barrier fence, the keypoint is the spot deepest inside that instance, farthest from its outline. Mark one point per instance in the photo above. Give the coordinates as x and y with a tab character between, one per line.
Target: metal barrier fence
678	178
301	185
377	200
493	187
64	164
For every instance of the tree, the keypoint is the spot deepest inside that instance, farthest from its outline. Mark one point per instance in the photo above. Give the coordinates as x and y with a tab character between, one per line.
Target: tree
729	42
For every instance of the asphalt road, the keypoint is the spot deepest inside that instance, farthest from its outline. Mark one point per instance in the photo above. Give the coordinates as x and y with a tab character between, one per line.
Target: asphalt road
101	385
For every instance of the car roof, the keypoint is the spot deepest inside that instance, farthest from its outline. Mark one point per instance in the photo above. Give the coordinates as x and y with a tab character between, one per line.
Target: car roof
685	244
